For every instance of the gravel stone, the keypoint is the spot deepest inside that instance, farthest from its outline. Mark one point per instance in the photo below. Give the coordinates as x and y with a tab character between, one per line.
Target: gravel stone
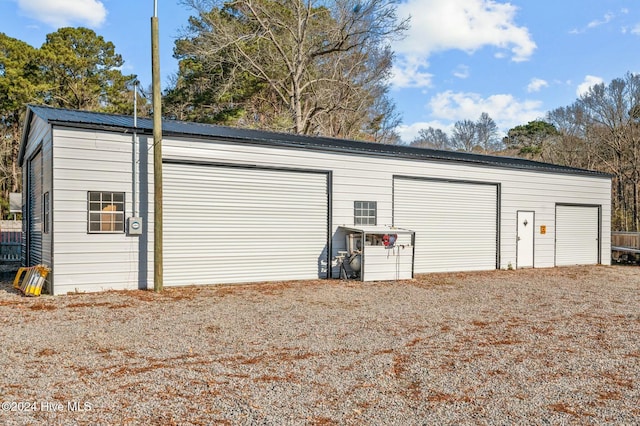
537	346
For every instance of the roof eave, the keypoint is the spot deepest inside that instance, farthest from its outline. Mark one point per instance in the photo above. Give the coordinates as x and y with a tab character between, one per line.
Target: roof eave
25	134
323	144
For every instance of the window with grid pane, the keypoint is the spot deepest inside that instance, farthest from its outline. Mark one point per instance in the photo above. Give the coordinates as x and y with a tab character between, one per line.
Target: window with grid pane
106	212
364	212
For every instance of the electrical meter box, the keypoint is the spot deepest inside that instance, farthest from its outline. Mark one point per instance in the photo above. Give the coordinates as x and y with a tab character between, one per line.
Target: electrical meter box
134	226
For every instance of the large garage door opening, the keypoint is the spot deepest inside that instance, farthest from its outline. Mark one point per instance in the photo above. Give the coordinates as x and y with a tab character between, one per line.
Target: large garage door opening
577	235
455	223
232	224
34	235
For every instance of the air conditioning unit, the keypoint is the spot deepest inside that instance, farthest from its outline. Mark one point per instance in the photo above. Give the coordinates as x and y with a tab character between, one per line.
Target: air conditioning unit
376	253
354	243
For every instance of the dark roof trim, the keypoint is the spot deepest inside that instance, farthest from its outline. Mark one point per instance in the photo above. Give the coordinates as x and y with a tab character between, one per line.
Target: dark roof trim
26	129
122	123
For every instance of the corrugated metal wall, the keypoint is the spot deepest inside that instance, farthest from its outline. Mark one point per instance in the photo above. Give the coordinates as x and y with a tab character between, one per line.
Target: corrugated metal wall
370	178
93	160
231	224
88	160
34	233
39	140
577	237
455	223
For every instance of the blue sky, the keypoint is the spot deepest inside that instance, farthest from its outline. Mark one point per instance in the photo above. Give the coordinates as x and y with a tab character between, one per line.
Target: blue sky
515	60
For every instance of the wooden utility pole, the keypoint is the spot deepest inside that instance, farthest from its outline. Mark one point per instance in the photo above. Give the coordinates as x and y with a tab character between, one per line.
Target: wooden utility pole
157	152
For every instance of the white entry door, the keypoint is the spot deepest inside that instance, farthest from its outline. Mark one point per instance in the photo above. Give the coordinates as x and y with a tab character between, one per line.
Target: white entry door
525	239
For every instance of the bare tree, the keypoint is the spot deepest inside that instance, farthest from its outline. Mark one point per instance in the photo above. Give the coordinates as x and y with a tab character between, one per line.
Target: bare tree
432	138
487	134
600	131
480	135
318	65
465	135
613	123
572	148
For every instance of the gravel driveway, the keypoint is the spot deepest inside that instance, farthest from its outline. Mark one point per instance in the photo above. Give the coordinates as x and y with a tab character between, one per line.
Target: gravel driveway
544	346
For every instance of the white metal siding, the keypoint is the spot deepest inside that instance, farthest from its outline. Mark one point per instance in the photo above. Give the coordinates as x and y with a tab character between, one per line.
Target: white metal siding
89	160
455	223
102	160
540	192
382	263
358	175
576	235
232	224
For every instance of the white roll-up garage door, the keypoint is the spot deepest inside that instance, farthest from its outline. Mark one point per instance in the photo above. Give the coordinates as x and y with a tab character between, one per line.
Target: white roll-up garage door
455	223
232	224
35	210
577	235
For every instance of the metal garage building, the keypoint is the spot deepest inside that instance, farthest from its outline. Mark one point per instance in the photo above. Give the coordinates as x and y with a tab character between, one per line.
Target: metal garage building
244	206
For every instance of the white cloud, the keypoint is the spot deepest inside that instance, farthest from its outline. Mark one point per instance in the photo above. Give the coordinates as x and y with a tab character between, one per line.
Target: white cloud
605	20
536	84
589	81
466	25
608	17
636	29
461	71
409	132
61	13
409	72
449	107
505	110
